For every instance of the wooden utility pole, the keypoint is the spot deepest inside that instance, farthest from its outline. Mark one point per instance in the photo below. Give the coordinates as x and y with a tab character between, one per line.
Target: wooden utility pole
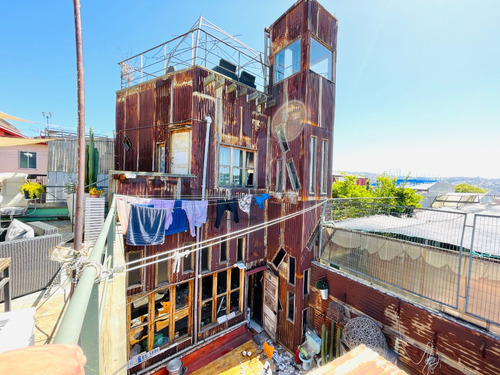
81	128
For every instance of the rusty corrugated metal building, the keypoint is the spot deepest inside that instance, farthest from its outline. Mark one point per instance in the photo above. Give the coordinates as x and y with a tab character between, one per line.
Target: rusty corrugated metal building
270	133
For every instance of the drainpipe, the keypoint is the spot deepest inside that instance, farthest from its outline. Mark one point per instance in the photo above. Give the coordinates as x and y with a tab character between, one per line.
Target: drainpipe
208	120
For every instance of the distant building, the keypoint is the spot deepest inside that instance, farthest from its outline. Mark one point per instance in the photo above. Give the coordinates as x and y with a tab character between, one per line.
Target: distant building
430	191
26	158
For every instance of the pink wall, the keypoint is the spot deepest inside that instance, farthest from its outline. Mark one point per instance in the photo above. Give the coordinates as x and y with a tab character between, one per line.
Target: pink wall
9	158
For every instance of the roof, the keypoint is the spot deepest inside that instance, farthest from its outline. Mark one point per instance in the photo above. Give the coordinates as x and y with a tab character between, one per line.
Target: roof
359	361
9	128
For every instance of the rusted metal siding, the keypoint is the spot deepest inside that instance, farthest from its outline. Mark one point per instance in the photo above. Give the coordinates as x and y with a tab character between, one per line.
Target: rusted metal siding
462	347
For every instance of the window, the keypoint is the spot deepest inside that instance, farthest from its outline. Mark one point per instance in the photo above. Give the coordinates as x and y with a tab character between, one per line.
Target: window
223	252
221	294
236	167
291	307
280	133
279	176
168	309
278	258
292	175
180	153
205	259
304	321
160	158
287	61
240	251
321	59
324	166
291	270
312	165
27	159
187	265
134	277
306	282
163	272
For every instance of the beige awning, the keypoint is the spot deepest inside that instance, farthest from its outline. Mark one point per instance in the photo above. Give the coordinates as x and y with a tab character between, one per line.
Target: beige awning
5	116
10	141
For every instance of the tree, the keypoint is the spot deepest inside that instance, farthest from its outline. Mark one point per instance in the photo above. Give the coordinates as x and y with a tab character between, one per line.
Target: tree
348	188
400	195
466	188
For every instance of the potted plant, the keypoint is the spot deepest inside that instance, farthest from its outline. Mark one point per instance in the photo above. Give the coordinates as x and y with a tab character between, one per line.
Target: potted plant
31	189
95	192
323	288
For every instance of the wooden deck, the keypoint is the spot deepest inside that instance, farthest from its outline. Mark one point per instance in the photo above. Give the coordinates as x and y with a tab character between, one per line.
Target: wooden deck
235	363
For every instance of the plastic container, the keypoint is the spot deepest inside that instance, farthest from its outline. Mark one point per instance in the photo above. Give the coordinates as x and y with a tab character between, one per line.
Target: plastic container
306	363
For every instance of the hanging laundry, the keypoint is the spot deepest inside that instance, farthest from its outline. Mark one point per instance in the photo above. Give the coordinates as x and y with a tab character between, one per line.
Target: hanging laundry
245	202
260	199
166	204
123	203
196	212
224	205
179	220
146	225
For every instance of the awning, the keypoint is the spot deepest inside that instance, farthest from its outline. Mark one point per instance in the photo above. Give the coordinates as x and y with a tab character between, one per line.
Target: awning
5	116
10	141
257	269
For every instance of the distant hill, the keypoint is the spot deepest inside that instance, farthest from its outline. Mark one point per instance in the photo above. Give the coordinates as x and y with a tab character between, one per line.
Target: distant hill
492	184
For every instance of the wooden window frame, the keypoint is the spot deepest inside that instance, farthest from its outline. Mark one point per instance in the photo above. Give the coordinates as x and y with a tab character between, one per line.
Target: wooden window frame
190	256
209	259
324	166
159	147
165	263
244	169
226	251
243	248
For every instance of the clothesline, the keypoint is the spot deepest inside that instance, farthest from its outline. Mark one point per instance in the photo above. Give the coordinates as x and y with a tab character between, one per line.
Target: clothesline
214	241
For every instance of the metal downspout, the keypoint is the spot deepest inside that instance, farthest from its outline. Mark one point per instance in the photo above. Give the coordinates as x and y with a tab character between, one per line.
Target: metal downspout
208	120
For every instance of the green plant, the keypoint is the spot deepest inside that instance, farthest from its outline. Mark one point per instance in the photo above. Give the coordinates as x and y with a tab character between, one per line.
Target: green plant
70	185
332	342
324	344
321	284
91	161
32	189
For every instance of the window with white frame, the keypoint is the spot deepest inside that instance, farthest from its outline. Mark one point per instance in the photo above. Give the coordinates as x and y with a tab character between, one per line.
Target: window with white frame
312	165
321	59
236	167
292	175
27	159
324	165
160	158
287	61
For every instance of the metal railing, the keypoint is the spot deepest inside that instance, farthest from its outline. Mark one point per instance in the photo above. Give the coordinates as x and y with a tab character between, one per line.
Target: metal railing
451	258
82	319
204	45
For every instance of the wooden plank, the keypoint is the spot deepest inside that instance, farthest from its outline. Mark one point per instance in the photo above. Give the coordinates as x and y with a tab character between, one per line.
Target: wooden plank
234	363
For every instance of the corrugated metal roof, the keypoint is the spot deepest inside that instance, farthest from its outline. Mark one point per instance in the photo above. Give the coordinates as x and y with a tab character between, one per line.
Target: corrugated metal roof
359	361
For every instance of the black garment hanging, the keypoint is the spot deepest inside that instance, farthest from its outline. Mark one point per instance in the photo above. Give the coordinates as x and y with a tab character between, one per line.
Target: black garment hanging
224	205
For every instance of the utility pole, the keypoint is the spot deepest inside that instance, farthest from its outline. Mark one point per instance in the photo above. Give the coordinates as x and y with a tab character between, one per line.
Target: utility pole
81	128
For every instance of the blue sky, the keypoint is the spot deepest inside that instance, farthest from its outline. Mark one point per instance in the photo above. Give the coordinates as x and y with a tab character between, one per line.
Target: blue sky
418	81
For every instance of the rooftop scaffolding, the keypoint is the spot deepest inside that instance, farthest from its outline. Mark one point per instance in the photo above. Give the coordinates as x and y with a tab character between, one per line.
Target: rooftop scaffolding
204	45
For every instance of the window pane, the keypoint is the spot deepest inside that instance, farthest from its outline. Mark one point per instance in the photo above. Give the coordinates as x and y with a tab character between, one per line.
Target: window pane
321	59
235	301
224	176
324	163
162	303
291	271
162	332
222	282
224	156
188	263
306	282
207	283
237	176
239	254
181	296
235	278
221	306
249	179
162	271
287	61
292	175
134	276
280	133
249	161
27	159
205	259
181	327
139	311
237	158
291	305
206	313
223	252
312	165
